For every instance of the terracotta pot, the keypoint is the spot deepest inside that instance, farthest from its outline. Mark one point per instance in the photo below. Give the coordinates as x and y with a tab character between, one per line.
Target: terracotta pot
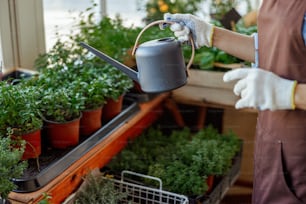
33	144
210	182
112	108
90	121
63	135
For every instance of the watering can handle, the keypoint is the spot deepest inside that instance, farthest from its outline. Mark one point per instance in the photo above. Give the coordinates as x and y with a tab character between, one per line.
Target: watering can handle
160	22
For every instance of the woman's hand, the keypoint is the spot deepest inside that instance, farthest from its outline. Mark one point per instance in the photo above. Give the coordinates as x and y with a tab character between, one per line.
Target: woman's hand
261	89
201	31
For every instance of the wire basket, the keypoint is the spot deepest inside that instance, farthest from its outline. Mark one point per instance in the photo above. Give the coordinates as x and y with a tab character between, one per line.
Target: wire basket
137	193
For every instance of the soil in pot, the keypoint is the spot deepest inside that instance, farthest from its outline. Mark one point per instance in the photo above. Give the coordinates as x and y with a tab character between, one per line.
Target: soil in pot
90	121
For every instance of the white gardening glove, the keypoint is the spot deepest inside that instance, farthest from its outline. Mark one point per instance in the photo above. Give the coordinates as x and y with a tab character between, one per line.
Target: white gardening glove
202	31
261	89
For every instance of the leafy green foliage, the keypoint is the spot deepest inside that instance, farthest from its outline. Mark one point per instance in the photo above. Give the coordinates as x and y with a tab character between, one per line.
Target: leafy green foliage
117	84
179	177
109	36
94	93
204	59
182	160
19	108
147	148
156	9
59	55
241	28
10	164
61	105
46	199
68	64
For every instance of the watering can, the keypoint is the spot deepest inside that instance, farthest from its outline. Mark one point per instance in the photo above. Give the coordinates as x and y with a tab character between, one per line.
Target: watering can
160	63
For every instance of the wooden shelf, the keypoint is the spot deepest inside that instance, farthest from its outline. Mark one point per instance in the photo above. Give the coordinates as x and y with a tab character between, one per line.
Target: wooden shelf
207	89
63	185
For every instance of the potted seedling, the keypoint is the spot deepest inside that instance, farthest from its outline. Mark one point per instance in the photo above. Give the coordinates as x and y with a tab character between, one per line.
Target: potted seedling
118	84
70	61
94	90
21	114
61	110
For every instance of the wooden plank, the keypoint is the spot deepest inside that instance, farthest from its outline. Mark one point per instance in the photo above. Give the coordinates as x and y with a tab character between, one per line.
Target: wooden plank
206	88
196	95
212	79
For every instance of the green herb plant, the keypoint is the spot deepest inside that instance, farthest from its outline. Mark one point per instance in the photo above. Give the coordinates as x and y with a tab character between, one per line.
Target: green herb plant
181	159
117	82
144	151
19	108
11	165
99	190
68	62
61	105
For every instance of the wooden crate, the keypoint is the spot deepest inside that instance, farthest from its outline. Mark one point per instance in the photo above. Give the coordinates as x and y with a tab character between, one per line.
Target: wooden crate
206	88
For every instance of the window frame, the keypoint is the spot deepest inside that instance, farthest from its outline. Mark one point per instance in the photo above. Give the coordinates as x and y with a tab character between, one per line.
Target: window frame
8	49
22	35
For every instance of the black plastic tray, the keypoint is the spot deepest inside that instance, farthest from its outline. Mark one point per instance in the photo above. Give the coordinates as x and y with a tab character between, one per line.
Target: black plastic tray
54	165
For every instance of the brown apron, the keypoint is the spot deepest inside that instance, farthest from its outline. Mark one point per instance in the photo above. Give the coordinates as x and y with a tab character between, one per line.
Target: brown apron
280	151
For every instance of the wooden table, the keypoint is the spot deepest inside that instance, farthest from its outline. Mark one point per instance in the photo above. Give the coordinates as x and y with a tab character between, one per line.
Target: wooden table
63	185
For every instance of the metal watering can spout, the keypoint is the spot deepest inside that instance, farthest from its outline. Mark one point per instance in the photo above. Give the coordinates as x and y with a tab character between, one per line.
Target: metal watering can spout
128	71
160	63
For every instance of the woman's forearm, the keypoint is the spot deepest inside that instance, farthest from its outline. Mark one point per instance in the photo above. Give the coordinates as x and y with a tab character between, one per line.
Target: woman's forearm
233	43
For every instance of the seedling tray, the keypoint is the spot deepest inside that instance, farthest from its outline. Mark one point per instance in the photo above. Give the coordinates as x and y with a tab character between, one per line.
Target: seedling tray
52	162
224	183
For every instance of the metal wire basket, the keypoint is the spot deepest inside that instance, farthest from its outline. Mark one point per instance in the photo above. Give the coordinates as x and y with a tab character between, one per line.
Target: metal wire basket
137	193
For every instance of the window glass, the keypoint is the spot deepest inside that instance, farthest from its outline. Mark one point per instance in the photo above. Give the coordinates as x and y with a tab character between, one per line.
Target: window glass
131	11
60	16
1	56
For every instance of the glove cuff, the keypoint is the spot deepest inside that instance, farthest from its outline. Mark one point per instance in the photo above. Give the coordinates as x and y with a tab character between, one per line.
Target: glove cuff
211	36
285	95
204	37
293	95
